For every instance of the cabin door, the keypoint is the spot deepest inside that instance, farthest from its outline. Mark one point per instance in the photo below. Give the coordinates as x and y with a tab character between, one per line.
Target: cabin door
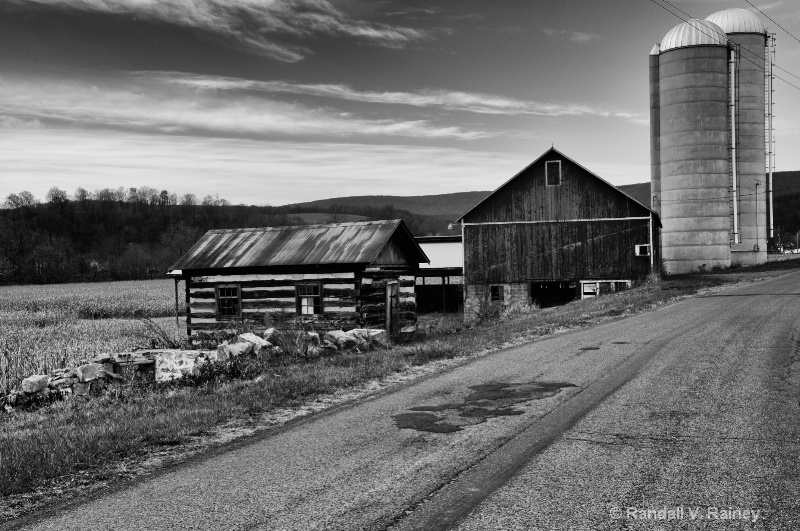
393	309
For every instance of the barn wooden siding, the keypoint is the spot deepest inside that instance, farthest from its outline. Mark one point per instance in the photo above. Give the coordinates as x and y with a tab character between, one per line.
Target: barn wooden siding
516	252
349	300
581	195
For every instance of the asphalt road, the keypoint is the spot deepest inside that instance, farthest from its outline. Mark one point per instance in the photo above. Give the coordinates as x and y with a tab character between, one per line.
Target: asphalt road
692	406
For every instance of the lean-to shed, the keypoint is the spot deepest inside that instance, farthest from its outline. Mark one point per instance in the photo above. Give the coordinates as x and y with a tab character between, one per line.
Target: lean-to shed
333	276
440	283
552	233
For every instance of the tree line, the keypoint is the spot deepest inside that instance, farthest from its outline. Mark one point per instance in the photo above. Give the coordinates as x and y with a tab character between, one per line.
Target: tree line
136	233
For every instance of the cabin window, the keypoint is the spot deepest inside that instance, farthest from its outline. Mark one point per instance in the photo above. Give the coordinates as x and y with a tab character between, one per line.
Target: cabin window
229	301
309	298
553	172
496	293
643	250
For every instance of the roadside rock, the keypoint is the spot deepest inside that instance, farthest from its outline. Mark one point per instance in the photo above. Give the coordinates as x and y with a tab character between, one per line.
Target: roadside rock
35	383
61	383
90	371
313	338
268	333
242	348
261	347
341	339
175	364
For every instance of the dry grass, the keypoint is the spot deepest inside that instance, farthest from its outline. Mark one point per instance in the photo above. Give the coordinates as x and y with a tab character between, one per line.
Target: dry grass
68	437
46	327
100	300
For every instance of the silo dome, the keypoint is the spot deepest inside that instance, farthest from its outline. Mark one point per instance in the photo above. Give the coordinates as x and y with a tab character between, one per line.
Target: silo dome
694	32
737	20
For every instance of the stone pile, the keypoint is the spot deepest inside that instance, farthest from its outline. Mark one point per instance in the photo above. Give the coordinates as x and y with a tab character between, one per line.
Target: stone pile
162	365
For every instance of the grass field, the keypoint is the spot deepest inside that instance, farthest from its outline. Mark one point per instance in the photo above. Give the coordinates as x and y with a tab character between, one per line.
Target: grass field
48	326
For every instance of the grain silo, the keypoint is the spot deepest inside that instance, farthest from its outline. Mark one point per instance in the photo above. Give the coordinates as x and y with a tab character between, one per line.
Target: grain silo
748	40
707	142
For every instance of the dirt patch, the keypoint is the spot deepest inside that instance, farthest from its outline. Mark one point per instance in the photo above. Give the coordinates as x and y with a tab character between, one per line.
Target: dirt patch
486	401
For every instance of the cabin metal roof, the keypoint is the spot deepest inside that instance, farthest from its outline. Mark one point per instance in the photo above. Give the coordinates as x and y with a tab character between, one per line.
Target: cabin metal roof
302	245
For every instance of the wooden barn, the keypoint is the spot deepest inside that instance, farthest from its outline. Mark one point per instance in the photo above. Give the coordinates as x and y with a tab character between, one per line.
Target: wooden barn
552	233
334	276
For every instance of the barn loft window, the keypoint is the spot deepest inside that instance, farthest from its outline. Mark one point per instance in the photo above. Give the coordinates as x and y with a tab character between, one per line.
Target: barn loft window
309	298
643	250
496	293
229	301
553	172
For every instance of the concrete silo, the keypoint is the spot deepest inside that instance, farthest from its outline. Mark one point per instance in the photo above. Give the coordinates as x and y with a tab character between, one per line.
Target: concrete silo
691	190
748	39
707	141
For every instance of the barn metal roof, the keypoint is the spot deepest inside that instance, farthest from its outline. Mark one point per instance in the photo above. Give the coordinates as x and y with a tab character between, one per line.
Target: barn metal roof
443	254
737	20
694	32
302	245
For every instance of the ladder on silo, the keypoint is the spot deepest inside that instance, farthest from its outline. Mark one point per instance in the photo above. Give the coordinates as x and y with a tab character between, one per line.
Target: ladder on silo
733	118
769	130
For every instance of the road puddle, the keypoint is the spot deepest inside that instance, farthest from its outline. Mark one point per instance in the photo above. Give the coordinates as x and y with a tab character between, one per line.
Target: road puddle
484	402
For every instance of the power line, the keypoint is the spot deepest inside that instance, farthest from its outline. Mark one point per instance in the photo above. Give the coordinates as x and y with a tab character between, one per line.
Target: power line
779	68
709	35
781	27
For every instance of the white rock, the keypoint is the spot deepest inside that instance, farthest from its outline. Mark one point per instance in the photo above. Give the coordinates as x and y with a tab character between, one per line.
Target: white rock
241	349
35	383
268	333
254	339
341	339
313	338
361	342
378	336
90	371
175	364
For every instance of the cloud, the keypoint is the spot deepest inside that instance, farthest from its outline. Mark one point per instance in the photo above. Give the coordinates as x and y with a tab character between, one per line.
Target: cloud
14	122
571	36
255	24
141	108
773	5
242	170
450	100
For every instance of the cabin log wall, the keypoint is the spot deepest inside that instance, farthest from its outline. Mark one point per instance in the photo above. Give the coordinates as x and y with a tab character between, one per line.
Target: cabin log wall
349	300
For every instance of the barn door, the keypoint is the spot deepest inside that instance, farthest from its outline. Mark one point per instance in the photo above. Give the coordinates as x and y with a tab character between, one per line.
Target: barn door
393	308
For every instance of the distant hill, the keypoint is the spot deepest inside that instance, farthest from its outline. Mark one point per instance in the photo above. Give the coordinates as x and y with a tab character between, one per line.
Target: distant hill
784	183
638	191
313	218
446	206
451	206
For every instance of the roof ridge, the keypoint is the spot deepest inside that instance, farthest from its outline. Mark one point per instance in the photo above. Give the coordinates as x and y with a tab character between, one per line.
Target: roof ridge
312	225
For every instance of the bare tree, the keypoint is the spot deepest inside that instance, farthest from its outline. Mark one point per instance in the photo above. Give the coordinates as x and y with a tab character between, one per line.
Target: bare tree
56	195
188	199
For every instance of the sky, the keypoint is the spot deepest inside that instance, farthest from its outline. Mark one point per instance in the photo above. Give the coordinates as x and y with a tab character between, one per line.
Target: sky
270	102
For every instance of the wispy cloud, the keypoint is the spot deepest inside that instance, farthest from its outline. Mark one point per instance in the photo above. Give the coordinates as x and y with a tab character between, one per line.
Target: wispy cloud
255	24
114	106
773	5
571	36
242	170
450	100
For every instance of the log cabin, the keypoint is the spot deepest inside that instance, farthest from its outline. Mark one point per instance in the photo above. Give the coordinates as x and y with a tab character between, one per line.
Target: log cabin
320	277
552	233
